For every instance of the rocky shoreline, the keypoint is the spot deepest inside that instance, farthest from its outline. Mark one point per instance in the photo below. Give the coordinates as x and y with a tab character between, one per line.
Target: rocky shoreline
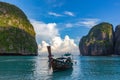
17	54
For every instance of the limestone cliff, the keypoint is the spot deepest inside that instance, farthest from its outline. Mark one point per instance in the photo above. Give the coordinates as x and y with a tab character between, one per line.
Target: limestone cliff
17	35
99	41
117	40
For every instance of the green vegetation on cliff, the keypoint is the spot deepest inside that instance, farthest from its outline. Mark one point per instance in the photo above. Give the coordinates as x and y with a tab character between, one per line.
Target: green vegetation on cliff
11	15
99	40
17	35
99	33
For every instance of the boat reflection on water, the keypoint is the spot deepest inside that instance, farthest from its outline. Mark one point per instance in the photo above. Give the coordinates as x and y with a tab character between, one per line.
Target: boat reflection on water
58	75
49	65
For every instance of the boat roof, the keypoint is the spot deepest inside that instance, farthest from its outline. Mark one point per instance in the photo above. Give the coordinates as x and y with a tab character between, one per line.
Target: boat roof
67	54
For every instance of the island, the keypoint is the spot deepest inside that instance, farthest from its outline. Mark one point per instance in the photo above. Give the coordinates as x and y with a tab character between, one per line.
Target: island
17	35
101	40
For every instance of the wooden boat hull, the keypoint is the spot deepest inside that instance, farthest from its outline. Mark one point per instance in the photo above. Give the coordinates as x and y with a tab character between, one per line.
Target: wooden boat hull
61	65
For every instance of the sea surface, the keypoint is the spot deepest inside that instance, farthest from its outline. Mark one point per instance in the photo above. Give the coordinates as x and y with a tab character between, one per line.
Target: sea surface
37	68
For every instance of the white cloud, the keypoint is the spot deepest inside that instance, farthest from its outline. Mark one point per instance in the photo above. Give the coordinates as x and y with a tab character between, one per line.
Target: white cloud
68	25
86	22
60	15
48	34
54	14
45	31
60	46
69	13
42	46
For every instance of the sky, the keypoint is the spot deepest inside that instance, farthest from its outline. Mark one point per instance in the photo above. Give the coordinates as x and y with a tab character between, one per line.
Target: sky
62	23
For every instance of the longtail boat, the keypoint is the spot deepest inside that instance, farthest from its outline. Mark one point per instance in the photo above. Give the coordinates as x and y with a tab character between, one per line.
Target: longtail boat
61	63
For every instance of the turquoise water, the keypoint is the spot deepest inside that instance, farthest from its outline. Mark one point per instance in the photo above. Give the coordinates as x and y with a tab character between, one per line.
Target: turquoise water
37	68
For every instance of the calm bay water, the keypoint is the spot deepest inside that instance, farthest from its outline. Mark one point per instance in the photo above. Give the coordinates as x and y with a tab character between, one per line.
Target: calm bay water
37	68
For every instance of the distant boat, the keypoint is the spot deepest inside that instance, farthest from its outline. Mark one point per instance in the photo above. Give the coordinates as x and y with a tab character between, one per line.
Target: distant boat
62	63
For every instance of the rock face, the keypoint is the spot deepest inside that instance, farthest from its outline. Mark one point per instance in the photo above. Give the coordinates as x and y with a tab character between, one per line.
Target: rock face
17	35
117	40
99	41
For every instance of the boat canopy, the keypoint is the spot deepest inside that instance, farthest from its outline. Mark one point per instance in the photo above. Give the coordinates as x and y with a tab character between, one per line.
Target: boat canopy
67	54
